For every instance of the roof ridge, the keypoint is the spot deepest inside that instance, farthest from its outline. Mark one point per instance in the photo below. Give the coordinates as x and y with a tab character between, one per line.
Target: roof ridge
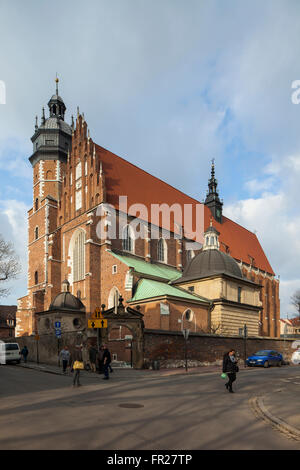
150	174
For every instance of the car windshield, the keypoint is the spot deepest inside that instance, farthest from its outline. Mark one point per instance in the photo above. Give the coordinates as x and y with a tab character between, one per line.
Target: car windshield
11	347
262	353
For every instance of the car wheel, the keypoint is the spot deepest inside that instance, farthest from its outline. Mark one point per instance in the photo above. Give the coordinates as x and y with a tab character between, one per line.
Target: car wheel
279	364
18	362
266	364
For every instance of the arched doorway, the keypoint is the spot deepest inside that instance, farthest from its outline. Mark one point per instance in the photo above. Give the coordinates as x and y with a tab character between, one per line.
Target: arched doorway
131	320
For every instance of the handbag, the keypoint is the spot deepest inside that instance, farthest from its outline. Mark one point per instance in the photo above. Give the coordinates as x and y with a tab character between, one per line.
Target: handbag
78	365
224	376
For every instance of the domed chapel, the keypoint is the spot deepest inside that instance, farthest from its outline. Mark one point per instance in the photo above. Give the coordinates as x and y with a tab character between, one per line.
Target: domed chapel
216	286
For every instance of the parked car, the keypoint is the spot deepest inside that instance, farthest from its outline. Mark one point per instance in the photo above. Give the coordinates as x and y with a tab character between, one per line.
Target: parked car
265	358
10	352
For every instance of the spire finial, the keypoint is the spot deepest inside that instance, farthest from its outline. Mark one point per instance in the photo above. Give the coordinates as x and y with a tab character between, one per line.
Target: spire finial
56	81
36	123
213	168
43	116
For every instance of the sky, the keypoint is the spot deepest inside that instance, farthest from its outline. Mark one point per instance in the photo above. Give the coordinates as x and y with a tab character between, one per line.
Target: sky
167	85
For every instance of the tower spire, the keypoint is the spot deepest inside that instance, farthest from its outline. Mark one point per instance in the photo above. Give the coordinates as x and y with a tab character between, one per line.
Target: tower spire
212	198
56	81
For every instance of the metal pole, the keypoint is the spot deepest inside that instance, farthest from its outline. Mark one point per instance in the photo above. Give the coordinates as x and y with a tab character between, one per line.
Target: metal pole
186	364
37	351
245	344
98	338
131	353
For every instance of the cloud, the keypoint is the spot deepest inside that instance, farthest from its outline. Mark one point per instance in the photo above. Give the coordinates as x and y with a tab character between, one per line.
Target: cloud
275	219
168	86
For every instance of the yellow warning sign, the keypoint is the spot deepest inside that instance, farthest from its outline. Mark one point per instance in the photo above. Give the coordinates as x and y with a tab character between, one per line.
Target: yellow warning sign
97	315
97	323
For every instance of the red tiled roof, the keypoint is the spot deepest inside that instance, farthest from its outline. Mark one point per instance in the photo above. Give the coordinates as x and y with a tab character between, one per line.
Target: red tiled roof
125	179
295	321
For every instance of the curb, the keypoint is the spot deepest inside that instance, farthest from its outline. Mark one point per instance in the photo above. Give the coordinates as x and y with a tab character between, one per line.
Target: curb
261	411
41	369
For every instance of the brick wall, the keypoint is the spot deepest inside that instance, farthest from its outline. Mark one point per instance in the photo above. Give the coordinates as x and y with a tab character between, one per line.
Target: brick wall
168	347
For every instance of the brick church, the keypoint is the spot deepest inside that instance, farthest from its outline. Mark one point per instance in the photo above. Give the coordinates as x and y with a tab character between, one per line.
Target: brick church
216	286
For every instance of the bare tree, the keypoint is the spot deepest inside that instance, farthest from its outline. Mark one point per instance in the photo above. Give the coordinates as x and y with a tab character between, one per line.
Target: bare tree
9	264
295	299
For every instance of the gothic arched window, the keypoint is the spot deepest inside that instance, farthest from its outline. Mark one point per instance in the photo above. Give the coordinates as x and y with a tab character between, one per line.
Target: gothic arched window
36	277
113	298
128	240
189	255
162	250
36	233
79	256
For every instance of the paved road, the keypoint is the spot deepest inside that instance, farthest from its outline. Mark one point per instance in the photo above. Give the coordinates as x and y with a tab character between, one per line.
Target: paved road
43	411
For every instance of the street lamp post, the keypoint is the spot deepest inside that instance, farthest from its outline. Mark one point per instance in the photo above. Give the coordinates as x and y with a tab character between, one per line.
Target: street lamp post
185	333
245	342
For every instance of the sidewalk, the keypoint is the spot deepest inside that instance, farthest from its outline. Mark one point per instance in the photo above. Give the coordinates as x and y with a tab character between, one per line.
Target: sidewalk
123	372
282	407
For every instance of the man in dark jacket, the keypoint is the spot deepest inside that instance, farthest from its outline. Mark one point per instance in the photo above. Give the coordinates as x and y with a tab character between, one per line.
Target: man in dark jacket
230	368
24	353
106	358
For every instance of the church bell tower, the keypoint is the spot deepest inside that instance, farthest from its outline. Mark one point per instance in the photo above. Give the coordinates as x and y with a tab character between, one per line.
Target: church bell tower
51	145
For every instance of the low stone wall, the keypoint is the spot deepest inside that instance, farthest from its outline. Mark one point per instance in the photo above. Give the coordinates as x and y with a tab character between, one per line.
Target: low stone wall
169	348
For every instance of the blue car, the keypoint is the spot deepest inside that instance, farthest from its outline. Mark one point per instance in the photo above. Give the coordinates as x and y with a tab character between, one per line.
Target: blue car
265	358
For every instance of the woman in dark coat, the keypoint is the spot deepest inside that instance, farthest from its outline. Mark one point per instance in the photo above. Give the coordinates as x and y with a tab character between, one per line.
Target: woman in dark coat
230	368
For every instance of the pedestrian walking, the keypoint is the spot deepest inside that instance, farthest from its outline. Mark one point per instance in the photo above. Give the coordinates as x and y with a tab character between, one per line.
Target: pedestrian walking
65	358
24	353
93	357
106	361
230	368
77	365
100	360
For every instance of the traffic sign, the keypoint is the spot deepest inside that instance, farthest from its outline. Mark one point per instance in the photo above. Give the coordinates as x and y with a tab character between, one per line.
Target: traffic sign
58	332
57	324
97	323
97	315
